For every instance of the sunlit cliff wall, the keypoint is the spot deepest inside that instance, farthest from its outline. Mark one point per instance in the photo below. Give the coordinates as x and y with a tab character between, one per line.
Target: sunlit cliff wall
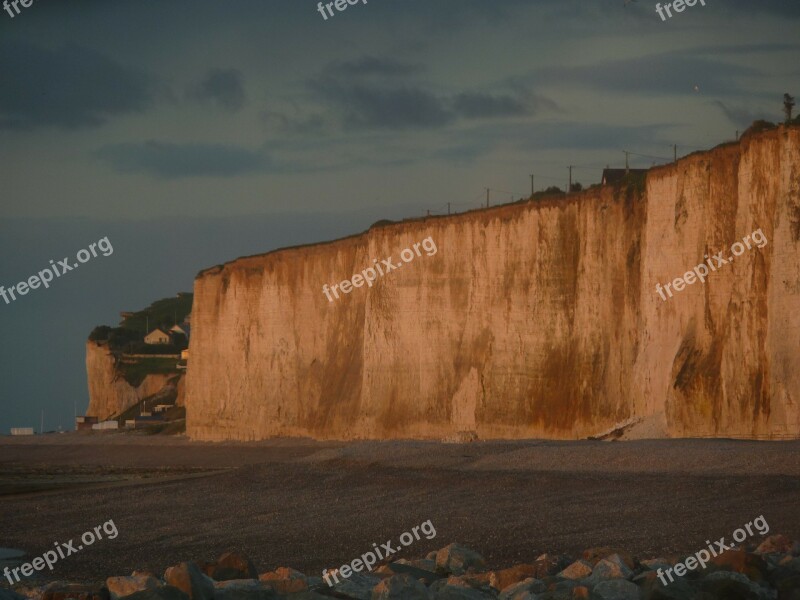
109	393
532	320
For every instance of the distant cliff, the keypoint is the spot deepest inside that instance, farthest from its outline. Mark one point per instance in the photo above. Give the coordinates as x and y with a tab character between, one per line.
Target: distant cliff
110	394
538	319
122	369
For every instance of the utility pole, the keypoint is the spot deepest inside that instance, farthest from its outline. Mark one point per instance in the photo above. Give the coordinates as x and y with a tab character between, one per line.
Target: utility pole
675	152
41	424
737	134
532	192
569	189
626	161
448	208
487	197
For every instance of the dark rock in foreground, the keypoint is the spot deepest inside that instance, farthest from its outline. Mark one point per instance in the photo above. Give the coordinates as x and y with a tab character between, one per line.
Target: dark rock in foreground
770	571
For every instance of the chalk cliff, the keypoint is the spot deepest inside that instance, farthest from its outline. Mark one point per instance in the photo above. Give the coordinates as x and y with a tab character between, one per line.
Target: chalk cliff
109	393
538	319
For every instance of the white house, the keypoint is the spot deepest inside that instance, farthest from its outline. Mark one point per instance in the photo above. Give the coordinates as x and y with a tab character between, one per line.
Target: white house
157	336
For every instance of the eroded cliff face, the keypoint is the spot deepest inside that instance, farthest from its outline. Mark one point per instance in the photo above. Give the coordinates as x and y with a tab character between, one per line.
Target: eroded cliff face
109	393
531	320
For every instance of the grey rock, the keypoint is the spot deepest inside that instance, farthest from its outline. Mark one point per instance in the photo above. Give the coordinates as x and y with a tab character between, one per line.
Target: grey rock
400	587
358	586
119	587
456	559
166	592
243	589
580	569
188	578
727	585
461	592
615	589
517	591
654	564
608	568
407	567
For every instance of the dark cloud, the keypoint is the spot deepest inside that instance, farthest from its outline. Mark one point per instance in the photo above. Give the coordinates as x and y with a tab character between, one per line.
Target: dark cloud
373	107
169	160
72	87
476	105
223	87
295	123
371	65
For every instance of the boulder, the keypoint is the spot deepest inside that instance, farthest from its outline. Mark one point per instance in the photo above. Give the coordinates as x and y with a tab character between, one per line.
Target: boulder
546	565
580	592
243	589
612	567
577	570
459	592
189	579
457	559
503	578
119	587
517	591
742	562
654	564
594	555
166	592
727	585
652	588
400	587
615	589
60	590
358	586
428	575
232	565
787	581
285	580
775	543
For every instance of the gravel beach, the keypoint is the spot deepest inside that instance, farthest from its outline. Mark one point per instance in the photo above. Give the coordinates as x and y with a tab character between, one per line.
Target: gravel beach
311	505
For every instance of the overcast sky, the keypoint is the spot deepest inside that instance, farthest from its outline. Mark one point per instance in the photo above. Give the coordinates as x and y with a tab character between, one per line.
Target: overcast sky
157	119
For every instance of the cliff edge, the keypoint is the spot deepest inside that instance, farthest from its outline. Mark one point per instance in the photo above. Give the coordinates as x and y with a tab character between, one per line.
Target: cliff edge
536	319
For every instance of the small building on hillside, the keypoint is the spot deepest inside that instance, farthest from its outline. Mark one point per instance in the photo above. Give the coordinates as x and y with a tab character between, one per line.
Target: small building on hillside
83	422
157	336
182	329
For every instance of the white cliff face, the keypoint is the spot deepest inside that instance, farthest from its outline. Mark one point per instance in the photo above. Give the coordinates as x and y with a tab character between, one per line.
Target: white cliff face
722	359
531	320
109	393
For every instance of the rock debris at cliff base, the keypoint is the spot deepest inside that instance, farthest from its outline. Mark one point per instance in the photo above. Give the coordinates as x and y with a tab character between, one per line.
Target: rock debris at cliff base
768	571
